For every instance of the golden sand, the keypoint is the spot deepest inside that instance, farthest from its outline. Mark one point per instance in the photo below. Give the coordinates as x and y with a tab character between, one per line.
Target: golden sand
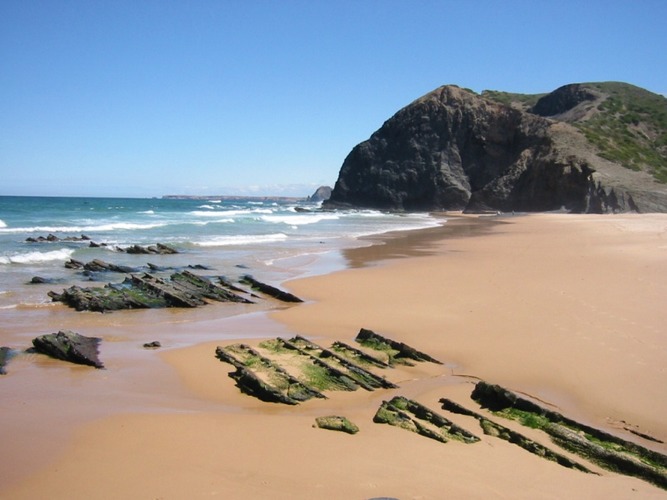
568	309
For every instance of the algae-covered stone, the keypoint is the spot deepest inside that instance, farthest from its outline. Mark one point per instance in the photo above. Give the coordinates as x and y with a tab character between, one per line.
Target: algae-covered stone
336	423
397	351
70	346
415	417
606	450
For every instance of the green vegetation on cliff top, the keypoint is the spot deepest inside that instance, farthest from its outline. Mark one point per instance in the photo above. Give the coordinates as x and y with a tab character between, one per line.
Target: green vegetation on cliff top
627	124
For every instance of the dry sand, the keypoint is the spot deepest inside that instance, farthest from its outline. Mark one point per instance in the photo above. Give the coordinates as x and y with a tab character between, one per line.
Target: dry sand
568	309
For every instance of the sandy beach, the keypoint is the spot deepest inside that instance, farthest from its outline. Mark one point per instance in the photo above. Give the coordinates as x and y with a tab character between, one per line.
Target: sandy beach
568	309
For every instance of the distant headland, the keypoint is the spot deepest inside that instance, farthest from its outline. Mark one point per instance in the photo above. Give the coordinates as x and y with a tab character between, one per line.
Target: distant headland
284	199
320	194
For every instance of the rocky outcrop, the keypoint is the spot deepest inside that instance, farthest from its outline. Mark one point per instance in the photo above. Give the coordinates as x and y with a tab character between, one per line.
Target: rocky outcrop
415	417
494	429
52	238
564	99
295	370
455	150
398	352
157	249
100	266
183	289
606	450
260	377
269	290
5	353
348	374
70	346
322	193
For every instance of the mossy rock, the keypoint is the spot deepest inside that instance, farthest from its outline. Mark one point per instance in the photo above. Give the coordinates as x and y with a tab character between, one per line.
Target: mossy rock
336	423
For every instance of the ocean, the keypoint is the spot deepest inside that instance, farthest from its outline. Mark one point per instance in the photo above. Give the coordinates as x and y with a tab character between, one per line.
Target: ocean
273	240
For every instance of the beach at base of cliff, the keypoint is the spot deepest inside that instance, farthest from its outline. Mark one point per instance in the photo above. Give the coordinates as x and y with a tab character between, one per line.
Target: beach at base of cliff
564	309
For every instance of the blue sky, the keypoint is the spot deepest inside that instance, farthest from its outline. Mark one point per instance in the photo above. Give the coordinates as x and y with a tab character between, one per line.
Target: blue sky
148	97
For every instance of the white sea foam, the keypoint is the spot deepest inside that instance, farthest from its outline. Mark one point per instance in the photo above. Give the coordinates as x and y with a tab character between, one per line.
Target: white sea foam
230	213
209	207
214	221
2	223
369	213
36	257
247	239
113	226
299	220
149	212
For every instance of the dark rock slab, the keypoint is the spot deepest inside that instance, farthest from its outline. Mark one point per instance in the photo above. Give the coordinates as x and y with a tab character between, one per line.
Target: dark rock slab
100	266
153	345
494	429
108	298
269	290
147	291
5	354
70	346
339	367
74	264
606	457
606	450
402	351
52	238
174	296
41	280
204	287
157	249
415	417
260	377
359	356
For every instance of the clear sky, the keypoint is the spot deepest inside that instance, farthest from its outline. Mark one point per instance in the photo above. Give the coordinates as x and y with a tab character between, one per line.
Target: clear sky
153	97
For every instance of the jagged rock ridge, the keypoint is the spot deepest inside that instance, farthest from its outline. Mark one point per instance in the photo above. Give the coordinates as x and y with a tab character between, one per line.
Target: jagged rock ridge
456	150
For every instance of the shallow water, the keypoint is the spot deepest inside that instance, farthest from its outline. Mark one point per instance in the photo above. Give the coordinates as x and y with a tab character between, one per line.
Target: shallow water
273	240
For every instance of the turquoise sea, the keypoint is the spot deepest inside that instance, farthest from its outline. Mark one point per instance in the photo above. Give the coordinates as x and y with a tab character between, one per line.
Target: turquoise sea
269	239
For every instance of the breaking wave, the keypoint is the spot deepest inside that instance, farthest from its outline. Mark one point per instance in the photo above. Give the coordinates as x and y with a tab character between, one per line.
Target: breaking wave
222	241
36	257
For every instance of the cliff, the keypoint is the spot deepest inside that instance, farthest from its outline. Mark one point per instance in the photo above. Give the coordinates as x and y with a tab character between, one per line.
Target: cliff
453	149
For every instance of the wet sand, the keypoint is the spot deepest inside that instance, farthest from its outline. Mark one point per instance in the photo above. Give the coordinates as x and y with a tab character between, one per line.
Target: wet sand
568	309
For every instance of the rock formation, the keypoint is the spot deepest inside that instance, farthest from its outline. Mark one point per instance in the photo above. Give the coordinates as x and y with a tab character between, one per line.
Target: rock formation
336	423
453	149
269	290
52	238
606	450
322	193
415	417
398	352
70	346
183	289
5	353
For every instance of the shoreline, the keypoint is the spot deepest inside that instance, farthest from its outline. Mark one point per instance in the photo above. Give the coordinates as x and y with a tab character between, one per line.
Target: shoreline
37	384
436	318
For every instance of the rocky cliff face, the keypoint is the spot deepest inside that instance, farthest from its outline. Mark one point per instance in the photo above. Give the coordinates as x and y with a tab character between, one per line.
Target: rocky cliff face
453	149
